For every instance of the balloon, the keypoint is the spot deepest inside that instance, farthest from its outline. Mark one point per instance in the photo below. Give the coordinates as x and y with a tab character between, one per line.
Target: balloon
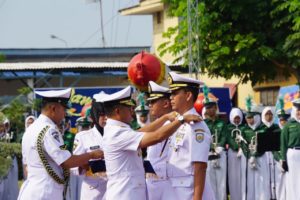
145	67
198	105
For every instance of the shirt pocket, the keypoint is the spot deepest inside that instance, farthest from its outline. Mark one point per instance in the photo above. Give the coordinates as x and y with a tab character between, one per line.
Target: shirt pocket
183	182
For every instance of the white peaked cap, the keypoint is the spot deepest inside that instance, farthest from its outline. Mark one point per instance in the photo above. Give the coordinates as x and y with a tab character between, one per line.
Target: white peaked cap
156	91
55	93
177	81
99	96
120	97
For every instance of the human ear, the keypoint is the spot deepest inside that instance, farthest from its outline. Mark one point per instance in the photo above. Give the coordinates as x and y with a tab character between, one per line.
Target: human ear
189	96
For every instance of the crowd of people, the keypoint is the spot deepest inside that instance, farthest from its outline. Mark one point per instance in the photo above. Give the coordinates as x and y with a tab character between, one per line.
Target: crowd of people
191	156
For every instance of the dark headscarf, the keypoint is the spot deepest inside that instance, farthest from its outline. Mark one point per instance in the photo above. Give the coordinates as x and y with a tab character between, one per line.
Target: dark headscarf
96	112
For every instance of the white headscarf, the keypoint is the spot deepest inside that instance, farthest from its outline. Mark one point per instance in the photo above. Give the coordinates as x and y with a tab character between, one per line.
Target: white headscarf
28	118
263	115
233	113
256	122
139	121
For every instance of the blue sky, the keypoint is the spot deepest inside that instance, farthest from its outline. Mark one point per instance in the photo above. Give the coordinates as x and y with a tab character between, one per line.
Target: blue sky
29	24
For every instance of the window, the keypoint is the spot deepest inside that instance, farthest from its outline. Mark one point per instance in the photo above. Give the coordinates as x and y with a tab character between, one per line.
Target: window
268	96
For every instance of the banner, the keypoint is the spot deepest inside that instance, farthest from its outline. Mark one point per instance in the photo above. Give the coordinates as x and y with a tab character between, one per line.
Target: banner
288	93
222	95
82	98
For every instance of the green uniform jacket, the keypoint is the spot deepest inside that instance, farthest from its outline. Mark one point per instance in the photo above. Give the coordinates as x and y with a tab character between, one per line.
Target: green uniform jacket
231	138
219	126
290	137
273	128
248	133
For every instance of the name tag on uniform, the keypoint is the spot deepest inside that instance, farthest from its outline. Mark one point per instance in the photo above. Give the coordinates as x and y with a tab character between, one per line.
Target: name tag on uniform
179	137
94	147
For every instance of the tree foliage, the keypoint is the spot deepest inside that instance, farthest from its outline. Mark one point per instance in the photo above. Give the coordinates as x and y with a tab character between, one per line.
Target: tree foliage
250	39
18	109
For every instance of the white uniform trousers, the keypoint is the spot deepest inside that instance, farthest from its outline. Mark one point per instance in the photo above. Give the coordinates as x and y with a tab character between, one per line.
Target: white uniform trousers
74	188
160	189
280	178
9	189
293	175
184	188
217	177
121	187
46	191
258	180
93	189
234	175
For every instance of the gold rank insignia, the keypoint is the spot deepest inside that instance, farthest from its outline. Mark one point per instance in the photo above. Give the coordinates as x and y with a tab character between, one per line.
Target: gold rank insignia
170	81
149	89
63	147
199	137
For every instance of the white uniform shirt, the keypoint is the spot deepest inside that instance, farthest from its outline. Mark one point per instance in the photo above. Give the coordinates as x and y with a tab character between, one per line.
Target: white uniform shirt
86	141
124	164
190	143
39	185
158	162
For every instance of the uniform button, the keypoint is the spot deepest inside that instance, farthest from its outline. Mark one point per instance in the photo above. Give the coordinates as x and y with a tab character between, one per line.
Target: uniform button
167	162
181	182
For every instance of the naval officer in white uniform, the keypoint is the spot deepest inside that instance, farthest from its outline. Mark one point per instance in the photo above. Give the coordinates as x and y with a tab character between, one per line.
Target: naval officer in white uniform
93	184
47	159
124	165
190	144
159	187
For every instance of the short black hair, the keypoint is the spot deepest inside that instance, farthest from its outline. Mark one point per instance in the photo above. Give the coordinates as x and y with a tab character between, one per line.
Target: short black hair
194	91
109	108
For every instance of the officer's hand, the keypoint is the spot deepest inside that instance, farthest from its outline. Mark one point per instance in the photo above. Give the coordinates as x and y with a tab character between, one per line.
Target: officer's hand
192	118
172	116
284	166
97	154
151	176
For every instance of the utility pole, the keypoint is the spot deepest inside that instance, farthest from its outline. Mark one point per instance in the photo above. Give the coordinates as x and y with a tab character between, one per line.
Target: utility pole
193	38
101	23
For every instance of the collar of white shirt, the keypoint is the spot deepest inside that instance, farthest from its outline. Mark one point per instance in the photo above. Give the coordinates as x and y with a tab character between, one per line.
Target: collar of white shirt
113	122
191	111
46	119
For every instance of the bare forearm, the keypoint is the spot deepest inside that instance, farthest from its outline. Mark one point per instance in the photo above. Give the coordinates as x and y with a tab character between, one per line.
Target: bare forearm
199	179
160	134
153	125
79	160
